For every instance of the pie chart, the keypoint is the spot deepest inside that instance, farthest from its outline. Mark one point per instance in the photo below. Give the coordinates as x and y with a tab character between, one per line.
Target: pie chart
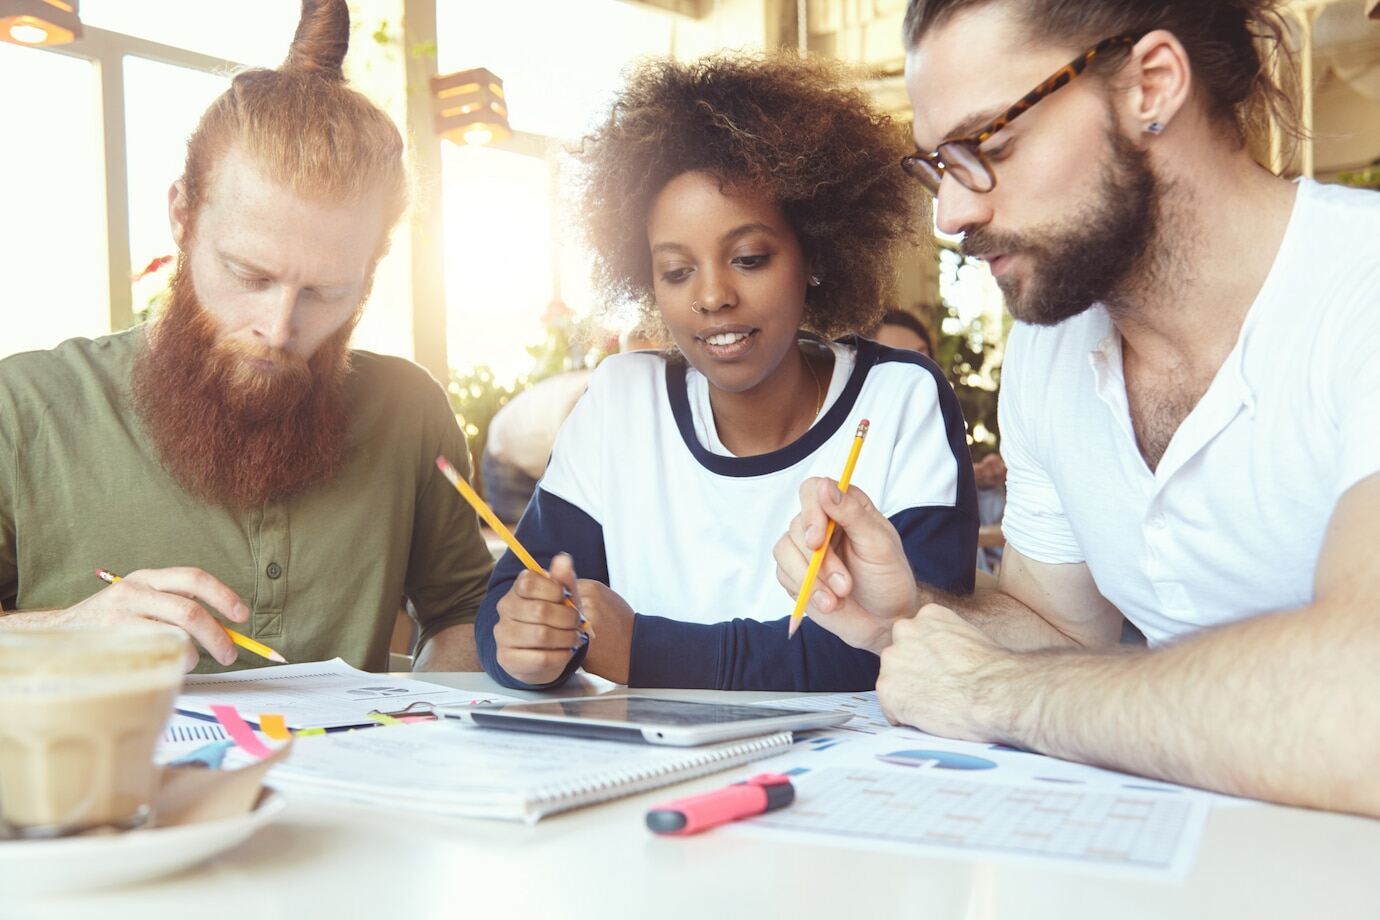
939	760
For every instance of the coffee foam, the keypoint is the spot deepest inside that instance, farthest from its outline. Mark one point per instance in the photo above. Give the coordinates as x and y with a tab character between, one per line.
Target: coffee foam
64	687
83	661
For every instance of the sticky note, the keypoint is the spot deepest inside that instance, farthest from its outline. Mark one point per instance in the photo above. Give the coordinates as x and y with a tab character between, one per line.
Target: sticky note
273	725
384	718
239	731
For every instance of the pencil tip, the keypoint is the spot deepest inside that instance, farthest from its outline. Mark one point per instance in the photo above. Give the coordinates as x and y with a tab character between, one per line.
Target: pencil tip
278	658
790	630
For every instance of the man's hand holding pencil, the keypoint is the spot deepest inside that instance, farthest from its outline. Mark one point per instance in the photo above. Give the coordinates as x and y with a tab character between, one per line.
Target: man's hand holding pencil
865	582
175	596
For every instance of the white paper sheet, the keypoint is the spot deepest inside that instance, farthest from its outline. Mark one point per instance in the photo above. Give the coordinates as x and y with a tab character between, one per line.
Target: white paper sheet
939	810
320	694
898	787
867	712
1014	763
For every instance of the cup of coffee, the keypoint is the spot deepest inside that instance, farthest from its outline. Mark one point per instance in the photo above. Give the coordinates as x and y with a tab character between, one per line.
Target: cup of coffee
81	710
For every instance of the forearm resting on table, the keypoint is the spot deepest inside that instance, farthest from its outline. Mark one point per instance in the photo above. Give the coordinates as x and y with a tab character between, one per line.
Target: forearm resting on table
1002	617
1037	605
1284	707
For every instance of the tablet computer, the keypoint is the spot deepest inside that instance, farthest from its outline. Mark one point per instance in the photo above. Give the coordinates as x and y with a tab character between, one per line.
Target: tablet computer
654	720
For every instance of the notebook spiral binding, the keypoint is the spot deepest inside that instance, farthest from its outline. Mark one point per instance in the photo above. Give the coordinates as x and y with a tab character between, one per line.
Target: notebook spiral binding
616	785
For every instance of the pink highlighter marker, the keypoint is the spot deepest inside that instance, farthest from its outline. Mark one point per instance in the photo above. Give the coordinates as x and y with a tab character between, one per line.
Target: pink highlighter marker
692	814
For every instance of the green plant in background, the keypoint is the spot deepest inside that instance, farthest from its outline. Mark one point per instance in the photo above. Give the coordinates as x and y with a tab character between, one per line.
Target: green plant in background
963	356
970	343
1366	177
476	395
153	286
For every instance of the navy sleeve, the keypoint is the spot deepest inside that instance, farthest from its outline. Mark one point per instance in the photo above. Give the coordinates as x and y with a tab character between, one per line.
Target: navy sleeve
941	540
941	544
746	655
549	526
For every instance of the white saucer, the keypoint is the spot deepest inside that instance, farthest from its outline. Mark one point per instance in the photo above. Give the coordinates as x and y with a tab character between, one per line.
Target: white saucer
80	863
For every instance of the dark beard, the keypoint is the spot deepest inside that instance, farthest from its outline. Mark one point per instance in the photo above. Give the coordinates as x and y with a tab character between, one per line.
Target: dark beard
229	433
1092	261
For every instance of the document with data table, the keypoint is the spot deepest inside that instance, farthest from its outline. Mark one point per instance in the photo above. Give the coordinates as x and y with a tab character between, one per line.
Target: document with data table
900	788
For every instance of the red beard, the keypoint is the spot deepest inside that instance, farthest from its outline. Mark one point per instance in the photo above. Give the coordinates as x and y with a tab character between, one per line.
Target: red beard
232	433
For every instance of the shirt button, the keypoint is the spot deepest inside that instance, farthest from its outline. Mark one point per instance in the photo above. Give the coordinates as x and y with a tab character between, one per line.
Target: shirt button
274	570
1158	522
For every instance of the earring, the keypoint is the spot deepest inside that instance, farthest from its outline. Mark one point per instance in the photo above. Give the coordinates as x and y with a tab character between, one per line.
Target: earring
815	280
696	308
1155	127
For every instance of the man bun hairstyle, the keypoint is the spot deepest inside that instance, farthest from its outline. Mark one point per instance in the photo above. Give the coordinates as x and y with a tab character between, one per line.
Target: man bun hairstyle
303	126
323	37
1235	47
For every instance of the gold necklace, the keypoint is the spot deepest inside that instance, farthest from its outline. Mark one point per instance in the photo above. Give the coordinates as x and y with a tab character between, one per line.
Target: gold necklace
819	391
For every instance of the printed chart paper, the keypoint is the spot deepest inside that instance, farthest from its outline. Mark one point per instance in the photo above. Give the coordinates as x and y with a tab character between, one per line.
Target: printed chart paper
935	809
321	694
901	788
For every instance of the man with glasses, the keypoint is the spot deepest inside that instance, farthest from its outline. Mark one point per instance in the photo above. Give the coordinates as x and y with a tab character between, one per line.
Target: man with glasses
1190	412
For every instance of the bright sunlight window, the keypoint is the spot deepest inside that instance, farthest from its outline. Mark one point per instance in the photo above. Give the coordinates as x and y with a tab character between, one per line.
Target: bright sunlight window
52	224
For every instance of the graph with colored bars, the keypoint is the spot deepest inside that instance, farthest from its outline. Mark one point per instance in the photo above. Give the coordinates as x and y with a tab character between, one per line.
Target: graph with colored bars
184	730
1143	831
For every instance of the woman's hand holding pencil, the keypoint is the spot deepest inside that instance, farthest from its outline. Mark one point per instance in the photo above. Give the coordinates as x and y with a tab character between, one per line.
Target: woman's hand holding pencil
541	623
538	627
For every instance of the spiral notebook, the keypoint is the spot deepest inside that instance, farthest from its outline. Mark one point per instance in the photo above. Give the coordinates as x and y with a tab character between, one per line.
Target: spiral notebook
449	769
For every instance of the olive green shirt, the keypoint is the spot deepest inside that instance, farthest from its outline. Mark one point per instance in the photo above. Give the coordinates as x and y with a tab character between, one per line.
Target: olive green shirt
324	572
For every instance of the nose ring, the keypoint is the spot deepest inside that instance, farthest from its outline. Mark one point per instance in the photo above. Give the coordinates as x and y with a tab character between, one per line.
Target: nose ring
696	308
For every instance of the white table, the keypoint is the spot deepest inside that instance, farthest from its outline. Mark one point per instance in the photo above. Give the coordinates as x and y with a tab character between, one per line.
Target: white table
323	860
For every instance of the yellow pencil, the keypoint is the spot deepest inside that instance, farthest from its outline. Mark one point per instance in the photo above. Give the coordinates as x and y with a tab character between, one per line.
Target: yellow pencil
243	641
487	513
808	585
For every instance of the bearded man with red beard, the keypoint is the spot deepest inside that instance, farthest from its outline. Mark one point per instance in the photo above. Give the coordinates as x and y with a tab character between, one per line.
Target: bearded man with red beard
236	459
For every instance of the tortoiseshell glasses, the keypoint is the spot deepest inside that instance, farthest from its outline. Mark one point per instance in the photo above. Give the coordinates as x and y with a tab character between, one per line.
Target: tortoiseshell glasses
962	157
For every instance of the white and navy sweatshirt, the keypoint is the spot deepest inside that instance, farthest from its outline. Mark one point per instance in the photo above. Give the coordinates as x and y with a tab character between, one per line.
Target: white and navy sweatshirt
646	500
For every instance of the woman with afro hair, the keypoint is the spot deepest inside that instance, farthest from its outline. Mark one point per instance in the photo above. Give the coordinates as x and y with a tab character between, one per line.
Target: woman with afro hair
753	204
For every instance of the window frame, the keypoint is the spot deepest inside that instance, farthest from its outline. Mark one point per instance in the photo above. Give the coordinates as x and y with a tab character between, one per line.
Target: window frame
106	51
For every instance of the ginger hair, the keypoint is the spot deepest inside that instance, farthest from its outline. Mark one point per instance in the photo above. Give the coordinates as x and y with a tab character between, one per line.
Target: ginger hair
303	126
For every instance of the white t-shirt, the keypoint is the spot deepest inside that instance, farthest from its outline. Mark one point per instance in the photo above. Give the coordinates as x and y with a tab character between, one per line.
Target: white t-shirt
672	511
642	494
1231	523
